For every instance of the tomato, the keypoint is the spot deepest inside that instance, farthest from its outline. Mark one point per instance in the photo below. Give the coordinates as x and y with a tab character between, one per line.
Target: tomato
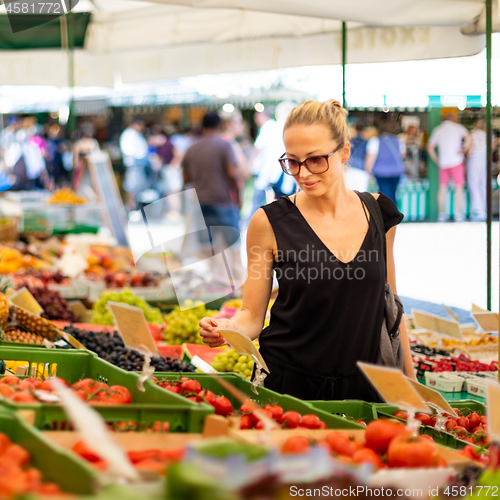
138	456
23	397
460	432
433	422
412	451
344	444
25	385
246	422
256	419
361	422
191	386
367	456
46	385
322	425
290	420
464	422
450	424
474	420
9	380
246	408
379	434
89	386
6	390
222	406
276	411
429	438
5	442
484	420
310	422
109	397
81	394
478	428
296	445
124	393
81	448
471	451
175	455
424	419
457	411
206	396
173	388
401	414
16	455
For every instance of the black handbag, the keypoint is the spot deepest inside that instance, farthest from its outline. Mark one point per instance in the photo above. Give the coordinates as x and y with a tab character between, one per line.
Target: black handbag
390	348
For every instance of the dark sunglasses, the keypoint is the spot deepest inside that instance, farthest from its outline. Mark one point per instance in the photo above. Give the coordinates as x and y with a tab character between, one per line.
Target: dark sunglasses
315	164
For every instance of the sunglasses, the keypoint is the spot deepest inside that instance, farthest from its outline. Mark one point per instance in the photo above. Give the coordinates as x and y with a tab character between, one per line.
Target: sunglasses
315	164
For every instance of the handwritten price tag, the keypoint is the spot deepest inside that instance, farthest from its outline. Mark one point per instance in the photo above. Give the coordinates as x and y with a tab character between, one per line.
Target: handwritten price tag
393	386
133	327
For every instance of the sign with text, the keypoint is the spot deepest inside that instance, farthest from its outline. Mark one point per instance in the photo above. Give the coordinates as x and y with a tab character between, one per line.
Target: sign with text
393	386
488	321
432	397
133	327
436	324
493	407
25	300
242	344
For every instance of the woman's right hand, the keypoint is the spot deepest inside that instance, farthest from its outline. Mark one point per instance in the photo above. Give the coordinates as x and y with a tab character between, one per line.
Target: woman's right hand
209	332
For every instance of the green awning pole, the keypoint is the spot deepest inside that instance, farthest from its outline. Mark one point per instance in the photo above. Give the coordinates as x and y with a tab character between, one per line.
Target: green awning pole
71	68
489	140
344	59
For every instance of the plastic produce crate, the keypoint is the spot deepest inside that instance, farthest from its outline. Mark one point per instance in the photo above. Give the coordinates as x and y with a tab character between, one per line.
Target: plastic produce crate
265	396
153	405
8	343
351	410
56	465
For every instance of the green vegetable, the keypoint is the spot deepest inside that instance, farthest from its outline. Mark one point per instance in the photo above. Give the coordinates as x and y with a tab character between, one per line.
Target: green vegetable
223	448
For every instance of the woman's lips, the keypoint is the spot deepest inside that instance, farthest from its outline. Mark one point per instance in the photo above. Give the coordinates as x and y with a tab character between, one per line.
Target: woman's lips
310	185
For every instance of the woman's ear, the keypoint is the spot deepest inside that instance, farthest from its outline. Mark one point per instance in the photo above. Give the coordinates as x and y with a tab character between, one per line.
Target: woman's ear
346	151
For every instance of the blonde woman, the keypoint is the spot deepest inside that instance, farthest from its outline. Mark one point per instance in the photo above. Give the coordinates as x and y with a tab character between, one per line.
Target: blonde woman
328	258
476	171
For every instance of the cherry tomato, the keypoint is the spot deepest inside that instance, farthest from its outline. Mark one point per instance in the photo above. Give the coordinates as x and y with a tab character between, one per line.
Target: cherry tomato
367	456
296	445
412	451
464	422
474	420
424	419
191	386
361	422
379	434
401	414
310	422
429	438
344	444
276	411
222	406
290	420
450	424
245	422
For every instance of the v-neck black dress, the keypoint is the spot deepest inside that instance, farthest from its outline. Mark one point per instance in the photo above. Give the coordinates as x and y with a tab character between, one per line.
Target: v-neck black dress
328	313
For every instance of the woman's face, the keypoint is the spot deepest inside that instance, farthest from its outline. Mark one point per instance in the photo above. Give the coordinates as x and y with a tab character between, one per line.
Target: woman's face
304	141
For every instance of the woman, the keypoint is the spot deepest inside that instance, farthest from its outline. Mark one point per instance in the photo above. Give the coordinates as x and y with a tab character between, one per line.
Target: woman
328	258
476	171
384	159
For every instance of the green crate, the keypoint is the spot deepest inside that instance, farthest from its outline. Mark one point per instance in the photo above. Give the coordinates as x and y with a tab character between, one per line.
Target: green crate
473	405
153	405
265	396
8	343
56	465
351	410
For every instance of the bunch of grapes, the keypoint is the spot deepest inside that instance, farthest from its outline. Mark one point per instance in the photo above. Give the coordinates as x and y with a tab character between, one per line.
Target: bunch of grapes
183	326
102	316
232	361
53	305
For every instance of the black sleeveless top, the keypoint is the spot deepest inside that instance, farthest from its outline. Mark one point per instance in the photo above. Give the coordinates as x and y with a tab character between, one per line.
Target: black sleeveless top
328	313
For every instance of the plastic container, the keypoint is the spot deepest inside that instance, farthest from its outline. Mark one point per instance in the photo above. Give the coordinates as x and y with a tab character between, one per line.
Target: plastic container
476	386
56	465
350	410
264	396
444	381
153	405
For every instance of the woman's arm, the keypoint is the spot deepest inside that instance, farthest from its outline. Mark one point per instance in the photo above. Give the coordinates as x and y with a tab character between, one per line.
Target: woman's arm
370	161
391	279
257	289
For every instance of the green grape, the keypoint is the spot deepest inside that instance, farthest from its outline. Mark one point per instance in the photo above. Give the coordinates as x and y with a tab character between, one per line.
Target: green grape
232	361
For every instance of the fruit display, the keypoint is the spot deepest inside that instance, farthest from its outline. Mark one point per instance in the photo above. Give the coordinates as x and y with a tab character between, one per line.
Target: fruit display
183	326
66	196
110	347
102	316
17	475
12	261
120	279
16	335
36	390
53	305
233	361
32	323
102	260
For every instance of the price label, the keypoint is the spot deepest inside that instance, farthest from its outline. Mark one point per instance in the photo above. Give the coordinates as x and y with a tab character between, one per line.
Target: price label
242	344
477	309
451	312
80	311
133	327
393	386
436	324
493	407
432	397
488	321
25	300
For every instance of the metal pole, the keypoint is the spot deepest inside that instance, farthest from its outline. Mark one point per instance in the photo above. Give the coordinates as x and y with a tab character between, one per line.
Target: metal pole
344	60
71	69
489	140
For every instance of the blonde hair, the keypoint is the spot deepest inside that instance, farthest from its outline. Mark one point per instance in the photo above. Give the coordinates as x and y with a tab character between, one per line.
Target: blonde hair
481	124
330	113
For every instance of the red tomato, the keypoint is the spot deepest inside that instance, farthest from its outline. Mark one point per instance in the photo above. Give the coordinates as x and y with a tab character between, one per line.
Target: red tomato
296	445
124	393
367	456
81	394
361	422
207	396
379	434
344	444
46	385
173	388
474	420
457	411
322	425
26	385
255	419
433	422
450	424
401	414
290	420
6	390
81	448
424	419
429	438
478	428
484	420
246	408
24	397
9	380
463	422
276	411
461	432
412	451
245	422
222	406
191	386
310	422
89	386
109	397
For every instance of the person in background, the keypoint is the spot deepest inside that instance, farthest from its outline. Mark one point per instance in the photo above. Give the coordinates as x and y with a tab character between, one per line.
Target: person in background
451	139
135	150
209	166
384	159
413	142
356	176
82	148
476	171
